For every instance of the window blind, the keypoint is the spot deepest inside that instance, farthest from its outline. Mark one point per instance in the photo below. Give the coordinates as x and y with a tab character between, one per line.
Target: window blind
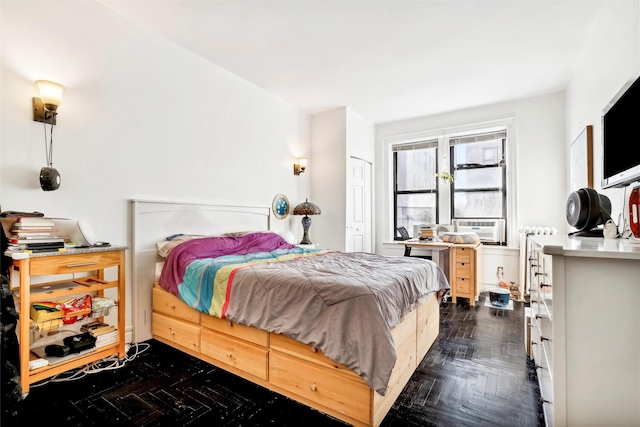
478	138
415	146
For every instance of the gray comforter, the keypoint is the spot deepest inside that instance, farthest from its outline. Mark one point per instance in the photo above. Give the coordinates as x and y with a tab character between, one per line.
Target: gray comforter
344	304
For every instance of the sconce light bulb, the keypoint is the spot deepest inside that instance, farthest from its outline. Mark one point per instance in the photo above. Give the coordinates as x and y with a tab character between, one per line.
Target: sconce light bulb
50	94
300	166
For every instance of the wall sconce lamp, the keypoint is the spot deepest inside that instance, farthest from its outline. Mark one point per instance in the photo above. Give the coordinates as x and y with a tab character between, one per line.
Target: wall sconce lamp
300	167
45	110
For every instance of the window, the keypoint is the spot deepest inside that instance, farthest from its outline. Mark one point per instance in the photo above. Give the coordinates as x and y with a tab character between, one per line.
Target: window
479	167
415	194
476	158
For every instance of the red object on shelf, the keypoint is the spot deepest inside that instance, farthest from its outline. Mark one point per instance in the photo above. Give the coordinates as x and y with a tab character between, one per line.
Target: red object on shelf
634	211
76	309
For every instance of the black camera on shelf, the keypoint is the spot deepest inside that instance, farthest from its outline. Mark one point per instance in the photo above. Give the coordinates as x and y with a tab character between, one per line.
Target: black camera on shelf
72	345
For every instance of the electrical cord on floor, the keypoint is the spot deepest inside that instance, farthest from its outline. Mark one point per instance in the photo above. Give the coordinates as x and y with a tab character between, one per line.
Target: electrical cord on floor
105	364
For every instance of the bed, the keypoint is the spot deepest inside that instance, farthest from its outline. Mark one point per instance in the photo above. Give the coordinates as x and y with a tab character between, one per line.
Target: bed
340	332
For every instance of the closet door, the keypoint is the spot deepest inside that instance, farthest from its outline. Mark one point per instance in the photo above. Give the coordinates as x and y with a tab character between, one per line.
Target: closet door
359	206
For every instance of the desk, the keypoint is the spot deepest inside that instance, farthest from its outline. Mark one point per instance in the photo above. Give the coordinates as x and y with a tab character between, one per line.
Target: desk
461	263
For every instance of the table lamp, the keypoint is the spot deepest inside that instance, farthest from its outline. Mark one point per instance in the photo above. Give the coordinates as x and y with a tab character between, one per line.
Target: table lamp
306	208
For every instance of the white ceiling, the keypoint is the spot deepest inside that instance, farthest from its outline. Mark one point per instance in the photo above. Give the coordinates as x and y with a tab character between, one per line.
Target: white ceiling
385	60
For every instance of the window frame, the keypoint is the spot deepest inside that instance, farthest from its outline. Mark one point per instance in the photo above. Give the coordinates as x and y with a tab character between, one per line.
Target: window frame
502	164
445	190
436	190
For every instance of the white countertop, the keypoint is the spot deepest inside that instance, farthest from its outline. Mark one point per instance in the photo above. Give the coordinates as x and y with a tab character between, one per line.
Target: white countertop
593	247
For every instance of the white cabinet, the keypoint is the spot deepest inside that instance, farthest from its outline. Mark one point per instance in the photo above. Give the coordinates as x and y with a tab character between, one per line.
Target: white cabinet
540	271
585	329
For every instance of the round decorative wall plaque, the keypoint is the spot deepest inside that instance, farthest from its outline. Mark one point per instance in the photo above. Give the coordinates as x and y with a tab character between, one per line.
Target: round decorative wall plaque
280	206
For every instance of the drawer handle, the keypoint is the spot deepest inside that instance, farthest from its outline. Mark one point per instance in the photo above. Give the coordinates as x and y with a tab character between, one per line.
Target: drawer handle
172	307
229	354
540	274
543	400
540	367
540	316
81	264
545	285
172	332
313	387
314	350
544	338
229	323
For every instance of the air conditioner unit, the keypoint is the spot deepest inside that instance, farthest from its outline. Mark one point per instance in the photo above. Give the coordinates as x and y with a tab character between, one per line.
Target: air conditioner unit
489	230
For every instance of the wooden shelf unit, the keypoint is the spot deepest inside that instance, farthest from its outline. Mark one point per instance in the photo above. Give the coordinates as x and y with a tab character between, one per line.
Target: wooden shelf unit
71	262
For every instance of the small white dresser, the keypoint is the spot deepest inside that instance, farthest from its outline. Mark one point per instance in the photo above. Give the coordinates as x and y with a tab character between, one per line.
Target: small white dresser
585	329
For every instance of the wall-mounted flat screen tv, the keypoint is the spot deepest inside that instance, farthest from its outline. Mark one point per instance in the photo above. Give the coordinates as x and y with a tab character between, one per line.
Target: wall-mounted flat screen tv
621	137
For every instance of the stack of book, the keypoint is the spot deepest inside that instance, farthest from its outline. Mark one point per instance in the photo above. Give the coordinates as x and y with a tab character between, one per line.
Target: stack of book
34	233
107	338
428	233
104	333
97	328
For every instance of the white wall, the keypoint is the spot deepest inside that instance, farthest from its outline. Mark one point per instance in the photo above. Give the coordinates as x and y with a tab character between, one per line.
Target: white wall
539	168
611	57
328	185
140	118
335	136
360	137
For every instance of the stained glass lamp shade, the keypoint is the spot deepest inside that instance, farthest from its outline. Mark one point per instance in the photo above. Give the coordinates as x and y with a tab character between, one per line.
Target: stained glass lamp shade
307	208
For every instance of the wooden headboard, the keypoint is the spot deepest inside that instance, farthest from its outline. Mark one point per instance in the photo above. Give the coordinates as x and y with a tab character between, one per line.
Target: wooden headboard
154	221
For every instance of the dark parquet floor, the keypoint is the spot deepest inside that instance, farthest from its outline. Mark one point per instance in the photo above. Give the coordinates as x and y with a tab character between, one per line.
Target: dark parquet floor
476	374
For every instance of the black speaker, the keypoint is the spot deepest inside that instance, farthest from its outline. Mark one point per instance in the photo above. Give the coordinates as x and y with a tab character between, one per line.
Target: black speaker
49	178
585	210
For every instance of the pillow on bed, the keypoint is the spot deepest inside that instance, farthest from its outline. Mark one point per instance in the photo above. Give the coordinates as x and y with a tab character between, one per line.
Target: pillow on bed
158	272
243	233
165	246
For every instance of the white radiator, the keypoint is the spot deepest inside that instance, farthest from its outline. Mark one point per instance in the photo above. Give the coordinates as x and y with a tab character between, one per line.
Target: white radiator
525	232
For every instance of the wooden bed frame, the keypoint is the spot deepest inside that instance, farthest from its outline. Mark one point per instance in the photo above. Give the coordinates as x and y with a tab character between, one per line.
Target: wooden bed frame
274	361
